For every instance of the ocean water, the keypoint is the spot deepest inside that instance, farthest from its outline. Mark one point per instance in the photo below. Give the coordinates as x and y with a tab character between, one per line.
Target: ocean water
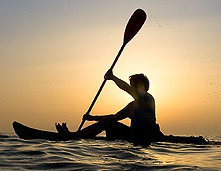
18	154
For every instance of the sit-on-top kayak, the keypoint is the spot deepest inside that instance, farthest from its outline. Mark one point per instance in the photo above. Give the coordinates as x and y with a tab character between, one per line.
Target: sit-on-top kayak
27	133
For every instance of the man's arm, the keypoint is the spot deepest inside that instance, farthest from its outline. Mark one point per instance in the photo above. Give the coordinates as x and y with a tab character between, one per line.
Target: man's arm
122	114
120	83
124	86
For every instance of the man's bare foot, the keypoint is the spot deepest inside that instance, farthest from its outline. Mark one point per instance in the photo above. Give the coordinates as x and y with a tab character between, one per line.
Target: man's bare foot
64	132
62	129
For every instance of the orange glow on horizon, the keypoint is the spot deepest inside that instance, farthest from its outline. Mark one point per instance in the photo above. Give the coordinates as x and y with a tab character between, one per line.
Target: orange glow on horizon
54	65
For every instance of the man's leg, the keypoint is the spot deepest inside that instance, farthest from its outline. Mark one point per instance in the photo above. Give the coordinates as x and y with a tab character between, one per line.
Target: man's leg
114	130
94	129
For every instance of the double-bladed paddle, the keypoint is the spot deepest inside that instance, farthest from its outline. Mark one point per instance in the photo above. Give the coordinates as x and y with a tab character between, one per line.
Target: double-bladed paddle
134	24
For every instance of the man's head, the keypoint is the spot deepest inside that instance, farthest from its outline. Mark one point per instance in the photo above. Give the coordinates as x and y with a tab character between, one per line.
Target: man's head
139	81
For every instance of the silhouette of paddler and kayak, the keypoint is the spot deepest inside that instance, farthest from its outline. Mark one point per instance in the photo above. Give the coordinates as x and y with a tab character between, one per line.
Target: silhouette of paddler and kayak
141	111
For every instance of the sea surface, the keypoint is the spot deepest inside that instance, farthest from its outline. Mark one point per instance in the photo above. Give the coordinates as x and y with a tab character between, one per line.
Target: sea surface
18	154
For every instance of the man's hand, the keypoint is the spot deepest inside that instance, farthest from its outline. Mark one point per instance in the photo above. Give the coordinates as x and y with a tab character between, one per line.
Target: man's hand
88	117
109	75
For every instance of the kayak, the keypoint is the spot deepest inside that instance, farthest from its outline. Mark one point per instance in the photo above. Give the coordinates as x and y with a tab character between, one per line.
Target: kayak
25	132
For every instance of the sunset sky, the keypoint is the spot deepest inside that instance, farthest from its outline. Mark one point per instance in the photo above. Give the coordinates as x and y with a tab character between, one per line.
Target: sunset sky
53	55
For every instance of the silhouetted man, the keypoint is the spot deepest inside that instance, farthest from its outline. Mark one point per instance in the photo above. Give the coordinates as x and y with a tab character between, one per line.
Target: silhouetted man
143	129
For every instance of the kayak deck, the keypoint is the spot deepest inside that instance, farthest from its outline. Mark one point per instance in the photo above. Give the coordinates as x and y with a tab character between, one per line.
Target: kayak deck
27	133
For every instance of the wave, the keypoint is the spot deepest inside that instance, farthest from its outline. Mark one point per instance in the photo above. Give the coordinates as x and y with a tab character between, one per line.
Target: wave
105	155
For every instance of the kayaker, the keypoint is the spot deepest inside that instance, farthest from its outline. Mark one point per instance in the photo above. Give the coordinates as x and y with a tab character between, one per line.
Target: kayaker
143	129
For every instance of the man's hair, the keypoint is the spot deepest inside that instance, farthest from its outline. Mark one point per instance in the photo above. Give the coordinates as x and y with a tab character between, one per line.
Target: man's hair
140	78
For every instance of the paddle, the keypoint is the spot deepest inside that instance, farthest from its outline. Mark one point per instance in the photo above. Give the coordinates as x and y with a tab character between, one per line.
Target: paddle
134	24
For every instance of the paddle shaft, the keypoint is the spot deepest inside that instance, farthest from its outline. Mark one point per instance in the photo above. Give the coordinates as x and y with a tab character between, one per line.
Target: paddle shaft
102	85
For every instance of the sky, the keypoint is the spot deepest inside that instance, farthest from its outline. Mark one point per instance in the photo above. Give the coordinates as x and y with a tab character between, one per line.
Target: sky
53	55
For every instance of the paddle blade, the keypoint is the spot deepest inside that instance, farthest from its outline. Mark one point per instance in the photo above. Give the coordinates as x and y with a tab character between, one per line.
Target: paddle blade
134	24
